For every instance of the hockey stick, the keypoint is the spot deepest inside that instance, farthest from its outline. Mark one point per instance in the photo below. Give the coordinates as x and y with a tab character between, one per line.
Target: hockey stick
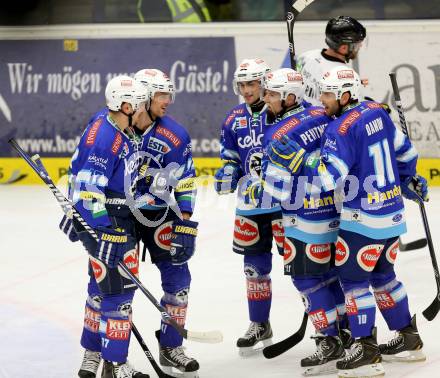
280	347
37	166
297	7
160	373
432	310
415	244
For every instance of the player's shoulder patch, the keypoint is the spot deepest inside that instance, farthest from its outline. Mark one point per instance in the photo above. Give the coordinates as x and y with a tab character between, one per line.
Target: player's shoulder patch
117	142
93	132
284	129
349	120
238	111
168	134
373	105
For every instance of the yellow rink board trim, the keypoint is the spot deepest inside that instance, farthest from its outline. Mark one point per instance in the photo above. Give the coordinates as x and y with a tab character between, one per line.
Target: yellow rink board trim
15	171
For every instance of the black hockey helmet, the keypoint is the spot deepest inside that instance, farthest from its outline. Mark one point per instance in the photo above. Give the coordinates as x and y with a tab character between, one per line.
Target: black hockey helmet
344	30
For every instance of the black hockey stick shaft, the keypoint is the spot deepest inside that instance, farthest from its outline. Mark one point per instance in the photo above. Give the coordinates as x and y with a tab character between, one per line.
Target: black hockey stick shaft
432	310
160	373
297	7
282	346
206	337
415	244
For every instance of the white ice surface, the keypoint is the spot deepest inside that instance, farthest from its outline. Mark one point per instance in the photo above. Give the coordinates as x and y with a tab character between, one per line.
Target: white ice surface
43	287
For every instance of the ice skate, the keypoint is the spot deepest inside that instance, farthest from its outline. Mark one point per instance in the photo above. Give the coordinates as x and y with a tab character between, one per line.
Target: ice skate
123	370
258	336
363	359
406	346
346	338
90	364
329	349
176	363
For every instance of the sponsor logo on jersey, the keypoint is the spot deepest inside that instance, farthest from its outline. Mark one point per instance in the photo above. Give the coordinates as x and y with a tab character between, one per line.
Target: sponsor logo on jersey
178	313
169	135
348	122
278	232
319	319
342	252
91	319
350	305
162	235
330	144
384	300
240	123
318	253
345	74
100	162
251	140
229	119
131	260
283	130
334	224
158	145
289	251
99	269
391	252
316	112
245	231
368	256
315	203
373	105
124	152
118	329
397	218
93	131
259	290
378	197
116	144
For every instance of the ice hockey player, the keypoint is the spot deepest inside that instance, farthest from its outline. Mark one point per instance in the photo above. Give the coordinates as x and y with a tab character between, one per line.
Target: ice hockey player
310	219
344	36
165	227
254	228
363	152
96	181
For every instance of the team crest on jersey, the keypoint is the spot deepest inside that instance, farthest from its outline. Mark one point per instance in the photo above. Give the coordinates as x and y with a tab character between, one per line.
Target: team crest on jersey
318	253
348	122
162	235
245	231
342	252
253	159
368	256
93	131
391	252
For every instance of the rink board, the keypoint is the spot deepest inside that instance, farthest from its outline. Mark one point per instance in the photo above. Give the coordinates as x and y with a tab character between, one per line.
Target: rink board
15	171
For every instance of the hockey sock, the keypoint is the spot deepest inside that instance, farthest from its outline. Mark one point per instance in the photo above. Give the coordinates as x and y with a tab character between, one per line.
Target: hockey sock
176	280
360	307
115	327
90	338
319	304
335	288
391	300
257	269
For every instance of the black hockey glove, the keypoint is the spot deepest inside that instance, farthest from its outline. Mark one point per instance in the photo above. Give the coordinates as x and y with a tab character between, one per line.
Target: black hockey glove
183	240
66	225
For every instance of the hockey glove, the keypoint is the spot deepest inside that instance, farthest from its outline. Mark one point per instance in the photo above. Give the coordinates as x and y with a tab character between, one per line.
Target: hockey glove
183	240
252	192
415	188
112	245
287	153
66	225
226	178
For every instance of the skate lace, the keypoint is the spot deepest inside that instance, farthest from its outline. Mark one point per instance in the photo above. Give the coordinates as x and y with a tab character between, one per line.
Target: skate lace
125	371
397	339
178	355
253	330
355	352
320	349
91	361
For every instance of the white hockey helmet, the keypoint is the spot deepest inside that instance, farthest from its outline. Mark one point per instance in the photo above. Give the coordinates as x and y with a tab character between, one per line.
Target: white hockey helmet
156	81
122	89
341	79
285	81
249	70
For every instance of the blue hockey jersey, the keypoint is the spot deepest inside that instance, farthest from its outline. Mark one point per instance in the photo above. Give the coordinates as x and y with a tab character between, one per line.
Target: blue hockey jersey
365	155
241	142
99	169
309	214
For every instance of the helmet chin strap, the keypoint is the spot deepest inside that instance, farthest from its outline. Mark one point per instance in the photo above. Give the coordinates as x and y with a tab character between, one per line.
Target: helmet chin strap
129	116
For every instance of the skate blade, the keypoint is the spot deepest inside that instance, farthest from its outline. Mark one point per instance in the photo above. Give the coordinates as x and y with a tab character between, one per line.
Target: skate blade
179	374
328	368
255	350
367	371
406	356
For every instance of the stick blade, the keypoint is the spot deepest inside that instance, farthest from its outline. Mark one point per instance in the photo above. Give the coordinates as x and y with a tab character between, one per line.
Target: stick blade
416	244
276	349
210	337
432	310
